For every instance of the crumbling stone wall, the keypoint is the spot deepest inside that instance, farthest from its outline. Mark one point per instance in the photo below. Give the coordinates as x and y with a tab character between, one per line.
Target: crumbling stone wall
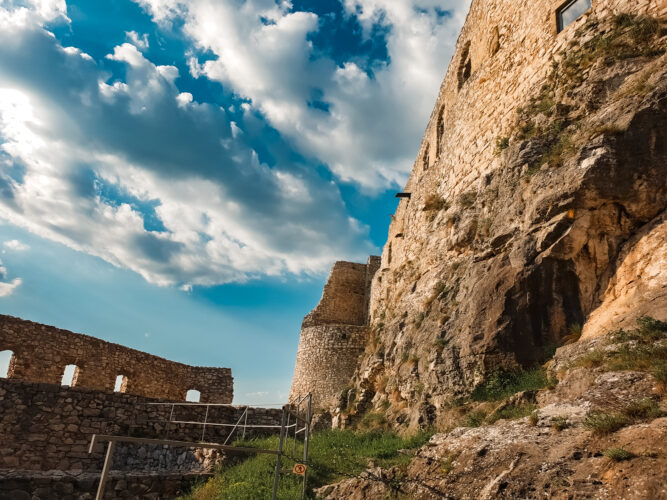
334	334
49	427
42	352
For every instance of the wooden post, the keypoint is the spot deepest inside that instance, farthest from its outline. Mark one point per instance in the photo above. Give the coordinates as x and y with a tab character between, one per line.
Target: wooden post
108	462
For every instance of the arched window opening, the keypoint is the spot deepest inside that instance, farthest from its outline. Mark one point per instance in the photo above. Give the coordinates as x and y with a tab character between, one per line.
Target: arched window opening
121	384
465	66
440	131
7	361
70	376
193	396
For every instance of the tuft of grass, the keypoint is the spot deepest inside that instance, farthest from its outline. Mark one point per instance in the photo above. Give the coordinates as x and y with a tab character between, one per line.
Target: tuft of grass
435	203
419	320
601	422
373	421
511	412
533	418
448	463
474	419
559	423
502	143
501	384
332	455
643	408
618	454
467	199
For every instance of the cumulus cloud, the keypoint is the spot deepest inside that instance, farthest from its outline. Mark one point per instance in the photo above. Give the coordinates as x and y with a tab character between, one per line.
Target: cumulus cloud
138	173
370	132
139	41
16	245
7	287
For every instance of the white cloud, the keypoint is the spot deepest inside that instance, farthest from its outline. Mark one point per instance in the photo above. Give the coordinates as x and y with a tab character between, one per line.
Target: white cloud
258	394
16	245
7	288
139	41
372	132
137	173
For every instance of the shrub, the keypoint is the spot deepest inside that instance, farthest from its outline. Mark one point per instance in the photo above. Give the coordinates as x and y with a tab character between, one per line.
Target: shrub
474	419
559	423
643	408
433	202
502	143
511	412
501	384
533	418
601	422
618	454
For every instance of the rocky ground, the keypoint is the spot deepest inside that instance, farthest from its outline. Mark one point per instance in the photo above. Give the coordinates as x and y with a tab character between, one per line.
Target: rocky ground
600	432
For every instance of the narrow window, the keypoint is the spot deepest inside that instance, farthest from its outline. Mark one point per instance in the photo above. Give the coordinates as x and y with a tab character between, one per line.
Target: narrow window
193	396
70	375
425	159
465	66
570	12
440	131
121	384
6	364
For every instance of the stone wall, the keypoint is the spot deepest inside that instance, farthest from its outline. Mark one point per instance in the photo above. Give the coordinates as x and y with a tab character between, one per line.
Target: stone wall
45	427
41	353
335	333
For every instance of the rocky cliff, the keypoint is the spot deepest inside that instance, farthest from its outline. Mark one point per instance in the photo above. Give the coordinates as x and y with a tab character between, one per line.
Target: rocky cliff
507	246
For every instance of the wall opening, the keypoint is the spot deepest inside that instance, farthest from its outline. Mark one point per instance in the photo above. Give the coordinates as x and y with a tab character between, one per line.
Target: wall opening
193	396
121	384
439	131
6	364
425	158
465	66
70	375
570	11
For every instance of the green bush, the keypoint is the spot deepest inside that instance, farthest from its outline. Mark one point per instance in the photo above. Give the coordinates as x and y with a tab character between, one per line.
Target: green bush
474	419
601	422
618	454
501	384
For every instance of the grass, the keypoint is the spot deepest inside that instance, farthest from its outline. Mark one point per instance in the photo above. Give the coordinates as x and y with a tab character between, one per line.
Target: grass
618	454
332	455
601	422
502	143
435	203
501	384
474	418
511	412
642	349
559	423
373	421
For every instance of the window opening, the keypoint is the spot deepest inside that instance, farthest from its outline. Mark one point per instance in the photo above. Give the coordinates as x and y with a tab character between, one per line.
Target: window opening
570	12
425	159
121	384
6	364
193	396
70	375
465	67
440	131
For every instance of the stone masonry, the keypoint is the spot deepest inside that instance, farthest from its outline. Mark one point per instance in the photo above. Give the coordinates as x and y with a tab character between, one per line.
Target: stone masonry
334	334
41	353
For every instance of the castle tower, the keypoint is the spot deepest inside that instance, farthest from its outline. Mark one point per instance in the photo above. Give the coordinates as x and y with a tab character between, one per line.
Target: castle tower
334	334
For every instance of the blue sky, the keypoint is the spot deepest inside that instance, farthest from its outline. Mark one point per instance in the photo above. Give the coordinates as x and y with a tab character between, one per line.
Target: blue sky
178	177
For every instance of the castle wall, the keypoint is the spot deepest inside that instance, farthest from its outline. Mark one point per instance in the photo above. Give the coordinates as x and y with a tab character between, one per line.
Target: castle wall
511	47
49	427
42	352
335	333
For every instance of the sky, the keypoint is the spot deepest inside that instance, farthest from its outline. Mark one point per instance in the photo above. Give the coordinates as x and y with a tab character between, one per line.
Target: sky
179	176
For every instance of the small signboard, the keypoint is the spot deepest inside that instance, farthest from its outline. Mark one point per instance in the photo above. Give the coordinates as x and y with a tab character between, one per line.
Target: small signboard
299	469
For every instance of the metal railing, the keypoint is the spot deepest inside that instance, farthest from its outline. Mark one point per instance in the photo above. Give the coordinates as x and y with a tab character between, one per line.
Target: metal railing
299	410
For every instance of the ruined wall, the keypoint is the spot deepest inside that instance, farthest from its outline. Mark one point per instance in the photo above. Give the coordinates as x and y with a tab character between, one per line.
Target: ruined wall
49	427
543	160
334	334
42	352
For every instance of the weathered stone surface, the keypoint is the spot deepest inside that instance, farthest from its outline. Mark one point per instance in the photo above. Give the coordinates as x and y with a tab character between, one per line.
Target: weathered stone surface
42	352
537	203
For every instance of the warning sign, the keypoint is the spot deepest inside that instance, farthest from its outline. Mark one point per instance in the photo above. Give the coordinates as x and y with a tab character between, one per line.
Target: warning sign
299	469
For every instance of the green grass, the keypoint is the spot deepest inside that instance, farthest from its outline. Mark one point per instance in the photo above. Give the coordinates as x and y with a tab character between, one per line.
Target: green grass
618	454
332	455
511	412
559	423
501	384
602	422
474	418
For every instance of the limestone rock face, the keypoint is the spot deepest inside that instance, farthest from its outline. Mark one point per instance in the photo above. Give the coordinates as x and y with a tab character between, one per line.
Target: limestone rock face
537	205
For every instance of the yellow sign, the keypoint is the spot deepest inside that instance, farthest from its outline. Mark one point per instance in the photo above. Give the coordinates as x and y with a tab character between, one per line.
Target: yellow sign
299	469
